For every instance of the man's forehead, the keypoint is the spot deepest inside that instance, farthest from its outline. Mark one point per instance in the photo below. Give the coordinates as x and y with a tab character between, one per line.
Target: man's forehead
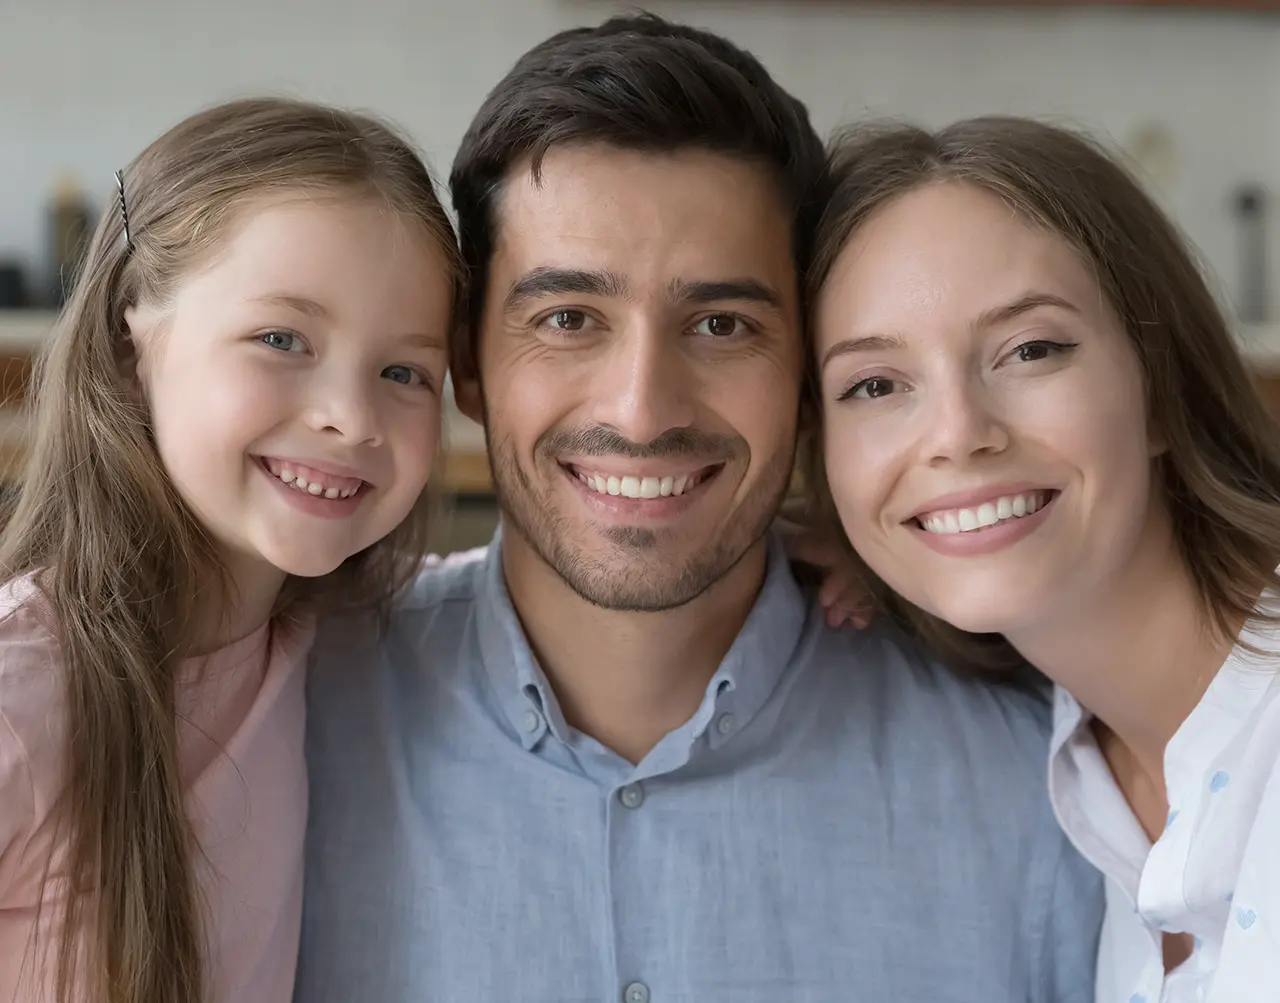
597	183
651	219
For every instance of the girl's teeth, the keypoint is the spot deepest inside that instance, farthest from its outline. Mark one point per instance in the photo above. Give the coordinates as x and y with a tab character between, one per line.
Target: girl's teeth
294	480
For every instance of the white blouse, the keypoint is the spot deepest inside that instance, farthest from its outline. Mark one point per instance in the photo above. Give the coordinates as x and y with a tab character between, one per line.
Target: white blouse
1215	871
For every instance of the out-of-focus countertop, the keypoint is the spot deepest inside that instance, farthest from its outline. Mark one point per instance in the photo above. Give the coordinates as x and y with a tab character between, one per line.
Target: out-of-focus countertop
463	467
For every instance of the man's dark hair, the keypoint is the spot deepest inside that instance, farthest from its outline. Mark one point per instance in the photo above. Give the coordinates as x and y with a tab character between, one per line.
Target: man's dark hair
637	83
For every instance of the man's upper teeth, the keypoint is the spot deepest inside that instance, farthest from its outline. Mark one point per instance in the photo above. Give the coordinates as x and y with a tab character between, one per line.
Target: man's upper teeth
965	520
635	487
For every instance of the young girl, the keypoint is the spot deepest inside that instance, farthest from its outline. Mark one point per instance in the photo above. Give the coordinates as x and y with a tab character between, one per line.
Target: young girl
233	425
1039	434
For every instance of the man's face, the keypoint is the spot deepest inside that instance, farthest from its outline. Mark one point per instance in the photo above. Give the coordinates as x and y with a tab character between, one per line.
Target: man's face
640	357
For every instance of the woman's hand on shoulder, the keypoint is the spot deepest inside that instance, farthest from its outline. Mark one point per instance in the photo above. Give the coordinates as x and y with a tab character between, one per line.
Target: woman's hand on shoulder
843	595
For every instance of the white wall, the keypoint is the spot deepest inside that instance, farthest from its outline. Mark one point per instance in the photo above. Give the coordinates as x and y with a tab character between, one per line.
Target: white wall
84	84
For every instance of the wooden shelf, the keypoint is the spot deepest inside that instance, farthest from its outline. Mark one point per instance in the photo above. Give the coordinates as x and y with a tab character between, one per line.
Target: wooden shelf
465	472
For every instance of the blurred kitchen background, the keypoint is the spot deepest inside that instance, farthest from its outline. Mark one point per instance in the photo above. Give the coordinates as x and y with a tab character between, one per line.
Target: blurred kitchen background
1189	91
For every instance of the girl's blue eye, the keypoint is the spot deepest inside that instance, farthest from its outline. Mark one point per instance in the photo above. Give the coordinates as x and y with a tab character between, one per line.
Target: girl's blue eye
402	374
282	341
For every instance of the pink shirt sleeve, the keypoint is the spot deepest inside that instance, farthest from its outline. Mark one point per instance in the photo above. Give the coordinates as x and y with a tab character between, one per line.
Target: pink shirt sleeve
31	732
17	800
244	780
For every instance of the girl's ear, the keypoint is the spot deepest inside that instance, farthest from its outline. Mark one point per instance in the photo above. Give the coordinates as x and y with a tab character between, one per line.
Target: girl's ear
139	331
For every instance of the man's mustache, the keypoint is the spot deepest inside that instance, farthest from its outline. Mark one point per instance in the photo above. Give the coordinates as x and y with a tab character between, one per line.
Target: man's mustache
676	442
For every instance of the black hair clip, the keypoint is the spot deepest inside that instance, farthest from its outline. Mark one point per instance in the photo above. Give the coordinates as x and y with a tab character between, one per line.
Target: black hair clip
124	211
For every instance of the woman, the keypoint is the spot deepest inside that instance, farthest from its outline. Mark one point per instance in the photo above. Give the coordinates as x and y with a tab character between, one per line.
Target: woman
1042	441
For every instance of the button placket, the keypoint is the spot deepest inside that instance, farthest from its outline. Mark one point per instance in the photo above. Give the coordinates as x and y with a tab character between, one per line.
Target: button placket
631	796
636	992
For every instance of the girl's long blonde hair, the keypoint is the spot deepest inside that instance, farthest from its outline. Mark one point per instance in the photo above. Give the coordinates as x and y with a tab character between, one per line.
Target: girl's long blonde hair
1221	472
120	557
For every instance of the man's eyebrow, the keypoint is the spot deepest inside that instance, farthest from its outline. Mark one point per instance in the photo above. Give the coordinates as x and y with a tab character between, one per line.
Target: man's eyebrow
724	290
555	281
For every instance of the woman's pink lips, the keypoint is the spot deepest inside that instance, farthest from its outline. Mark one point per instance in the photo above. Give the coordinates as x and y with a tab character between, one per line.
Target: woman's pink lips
979	496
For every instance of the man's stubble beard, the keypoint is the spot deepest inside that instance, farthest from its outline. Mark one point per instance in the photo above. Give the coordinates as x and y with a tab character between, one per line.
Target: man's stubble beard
613	581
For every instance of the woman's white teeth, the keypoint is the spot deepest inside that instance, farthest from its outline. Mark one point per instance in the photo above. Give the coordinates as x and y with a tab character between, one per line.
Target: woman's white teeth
312	488
966	520
637	487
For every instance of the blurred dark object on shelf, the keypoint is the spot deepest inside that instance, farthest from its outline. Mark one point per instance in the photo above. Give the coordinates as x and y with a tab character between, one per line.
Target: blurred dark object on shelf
68	236
14	294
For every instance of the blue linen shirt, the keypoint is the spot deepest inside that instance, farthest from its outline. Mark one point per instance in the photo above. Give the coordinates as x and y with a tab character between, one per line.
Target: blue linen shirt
841	821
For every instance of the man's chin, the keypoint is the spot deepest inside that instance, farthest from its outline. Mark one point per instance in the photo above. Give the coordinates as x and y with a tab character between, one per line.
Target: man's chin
631	590
642	570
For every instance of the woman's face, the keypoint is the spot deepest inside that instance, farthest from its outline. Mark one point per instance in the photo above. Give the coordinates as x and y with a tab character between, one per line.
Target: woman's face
985	430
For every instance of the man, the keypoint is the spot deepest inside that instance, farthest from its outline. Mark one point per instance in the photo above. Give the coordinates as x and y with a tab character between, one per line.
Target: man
621	758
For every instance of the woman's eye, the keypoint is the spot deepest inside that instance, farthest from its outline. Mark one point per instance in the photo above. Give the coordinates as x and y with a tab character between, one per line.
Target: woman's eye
868	389
1041	349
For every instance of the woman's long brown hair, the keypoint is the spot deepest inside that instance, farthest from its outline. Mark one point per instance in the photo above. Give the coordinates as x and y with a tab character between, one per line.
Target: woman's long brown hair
1221	472
119	556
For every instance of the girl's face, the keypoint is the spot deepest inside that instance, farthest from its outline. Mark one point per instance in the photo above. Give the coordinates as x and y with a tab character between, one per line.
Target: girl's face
295	382
985	430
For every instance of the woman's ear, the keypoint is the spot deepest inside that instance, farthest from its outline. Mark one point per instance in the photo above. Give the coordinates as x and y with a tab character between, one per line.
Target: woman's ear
808	420
1157	442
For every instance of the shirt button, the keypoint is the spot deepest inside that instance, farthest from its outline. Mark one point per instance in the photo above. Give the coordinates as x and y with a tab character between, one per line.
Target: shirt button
637	992
632	796
529	722
725	724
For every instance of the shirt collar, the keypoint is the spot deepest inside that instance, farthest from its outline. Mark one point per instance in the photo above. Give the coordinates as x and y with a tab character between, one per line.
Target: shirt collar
744	681
1086	801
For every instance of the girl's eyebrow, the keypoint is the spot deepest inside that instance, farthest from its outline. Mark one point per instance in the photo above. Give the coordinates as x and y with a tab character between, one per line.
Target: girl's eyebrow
299	303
